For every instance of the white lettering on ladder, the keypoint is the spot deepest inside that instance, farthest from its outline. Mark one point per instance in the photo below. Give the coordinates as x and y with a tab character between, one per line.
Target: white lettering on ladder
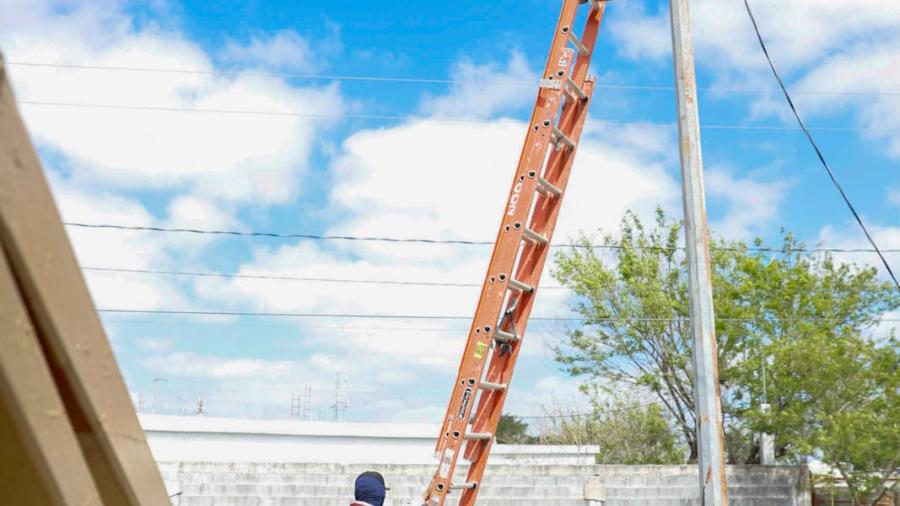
467	395
514	199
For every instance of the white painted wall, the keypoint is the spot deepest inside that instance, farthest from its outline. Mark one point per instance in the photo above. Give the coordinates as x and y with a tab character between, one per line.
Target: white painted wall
204	439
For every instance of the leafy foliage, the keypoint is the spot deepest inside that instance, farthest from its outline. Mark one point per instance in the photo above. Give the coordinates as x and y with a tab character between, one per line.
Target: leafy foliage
512	430
626	431
831	377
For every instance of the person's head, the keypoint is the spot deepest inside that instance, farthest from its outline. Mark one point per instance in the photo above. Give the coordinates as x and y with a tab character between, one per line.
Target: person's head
370	488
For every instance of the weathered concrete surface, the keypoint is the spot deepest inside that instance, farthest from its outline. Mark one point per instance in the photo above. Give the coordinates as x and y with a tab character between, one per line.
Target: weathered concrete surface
294	484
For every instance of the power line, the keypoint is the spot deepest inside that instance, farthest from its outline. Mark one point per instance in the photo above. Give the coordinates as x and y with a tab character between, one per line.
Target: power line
423	80
465	242
812	142
450	330
315	315
448	317
598	414
293	278
277	235
392	117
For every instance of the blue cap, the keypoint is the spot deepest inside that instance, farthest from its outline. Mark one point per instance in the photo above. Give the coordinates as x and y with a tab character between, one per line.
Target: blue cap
370	488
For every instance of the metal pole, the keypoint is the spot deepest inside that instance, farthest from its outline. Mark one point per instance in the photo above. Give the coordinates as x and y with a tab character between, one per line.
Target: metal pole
155	394
710	436
766	441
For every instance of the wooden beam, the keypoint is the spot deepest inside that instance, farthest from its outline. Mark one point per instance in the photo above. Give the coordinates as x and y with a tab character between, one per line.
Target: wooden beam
71	335
41	462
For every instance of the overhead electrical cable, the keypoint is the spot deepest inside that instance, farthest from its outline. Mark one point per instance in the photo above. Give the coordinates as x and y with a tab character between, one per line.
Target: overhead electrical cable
275	277
815	147
390	117
418	80
465	242
594	414
189	312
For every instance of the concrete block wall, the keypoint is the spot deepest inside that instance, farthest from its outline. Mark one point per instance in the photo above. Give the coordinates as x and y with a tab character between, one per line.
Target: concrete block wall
304	484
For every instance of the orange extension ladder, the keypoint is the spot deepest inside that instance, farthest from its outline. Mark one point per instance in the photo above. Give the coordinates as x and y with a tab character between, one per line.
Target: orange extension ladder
522	245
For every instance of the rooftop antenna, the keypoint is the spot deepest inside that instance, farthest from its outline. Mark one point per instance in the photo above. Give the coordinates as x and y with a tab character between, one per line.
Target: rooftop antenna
156	382
307	396
341	398
295	406
200	408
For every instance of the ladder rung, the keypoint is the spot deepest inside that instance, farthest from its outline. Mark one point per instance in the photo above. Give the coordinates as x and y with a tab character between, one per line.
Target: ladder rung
520	286
464	486
487	385
576	90
504	336
577	43
481	436
547	187
533	236
560	138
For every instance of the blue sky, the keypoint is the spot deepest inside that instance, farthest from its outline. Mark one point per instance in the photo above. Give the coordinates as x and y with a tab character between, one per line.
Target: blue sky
439	170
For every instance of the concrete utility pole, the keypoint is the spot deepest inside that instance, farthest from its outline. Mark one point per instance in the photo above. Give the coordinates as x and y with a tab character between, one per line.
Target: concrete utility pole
710	435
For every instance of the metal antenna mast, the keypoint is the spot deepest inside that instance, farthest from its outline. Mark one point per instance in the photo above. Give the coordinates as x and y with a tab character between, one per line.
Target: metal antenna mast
341	398
307	396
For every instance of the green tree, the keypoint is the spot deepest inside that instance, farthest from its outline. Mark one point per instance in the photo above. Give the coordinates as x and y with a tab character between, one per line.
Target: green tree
512	430
768	303
837	399
626	431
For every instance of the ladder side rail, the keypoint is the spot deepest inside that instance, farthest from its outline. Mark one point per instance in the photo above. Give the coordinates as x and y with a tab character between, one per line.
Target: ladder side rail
506	249
500	244
510	236
482	415
505	364
589	40
564	25
506	239
529	270
568	115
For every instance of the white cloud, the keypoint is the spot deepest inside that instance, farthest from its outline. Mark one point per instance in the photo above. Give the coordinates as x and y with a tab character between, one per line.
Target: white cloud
894	197
865	67
185	364
242	158
280	50
436	189
475	97
751	204
262	386
204	168
547	393
849	236
381	191
639	35
200	212
848	47
118	249
154	345
649	141
797	33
